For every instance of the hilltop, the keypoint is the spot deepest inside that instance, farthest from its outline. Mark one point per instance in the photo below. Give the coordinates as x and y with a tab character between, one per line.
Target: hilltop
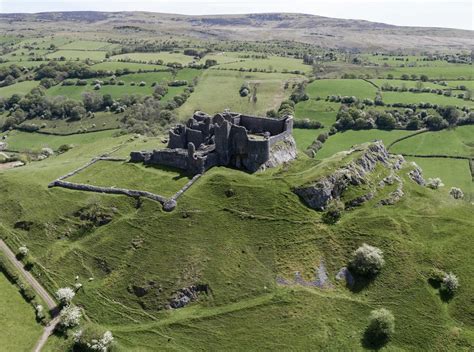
316	30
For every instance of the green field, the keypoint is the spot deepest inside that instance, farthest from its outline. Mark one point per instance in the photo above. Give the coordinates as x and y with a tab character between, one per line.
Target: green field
322	111
345	140
78	55
452	71
453	142
100	121
219	90
453	173
88	45
17	319
406	83
415	98
117	91
272	63
343	87
18	88
116	65
165	56
158	180
23	141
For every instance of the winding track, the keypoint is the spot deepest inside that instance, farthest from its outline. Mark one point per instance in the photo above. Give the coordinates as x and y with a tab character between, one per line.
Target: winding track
40	291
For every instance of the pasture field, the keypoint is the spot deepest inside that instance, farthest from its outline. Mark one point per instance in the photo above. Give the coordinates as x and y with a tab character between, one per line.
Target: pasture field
165	56
78	55
317	110
453	142
451	72
453	173
406	60
23	63
468	84
21	88
100	121
272	63
89	45
118	65
156	179
23	54
227	57
219	90
415	98
406	83
24	141
117	91
345	140
354	87
17	319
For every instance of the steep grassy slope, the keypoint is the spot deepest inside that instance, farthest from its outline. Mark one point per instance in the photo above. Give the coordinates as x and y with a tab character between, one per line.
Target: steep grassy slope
237	232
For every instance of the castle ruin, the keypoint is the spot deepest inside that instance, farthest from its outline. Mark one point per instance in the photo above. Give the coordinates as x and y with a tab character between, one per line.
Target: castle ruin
227	139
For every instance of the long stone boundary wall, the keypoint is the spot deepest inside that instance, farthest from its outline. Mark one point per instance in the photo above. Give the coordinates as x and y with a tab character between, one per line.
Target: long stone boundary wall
168	203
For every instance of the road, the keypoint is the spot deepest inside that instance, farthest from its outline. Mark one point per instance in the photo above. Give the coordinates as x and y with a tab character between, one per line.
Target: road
40	291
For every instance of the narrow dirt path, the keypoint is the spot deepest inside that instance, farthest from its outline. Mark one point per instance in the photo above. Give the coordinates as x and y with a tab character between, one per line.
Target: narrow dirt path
40	291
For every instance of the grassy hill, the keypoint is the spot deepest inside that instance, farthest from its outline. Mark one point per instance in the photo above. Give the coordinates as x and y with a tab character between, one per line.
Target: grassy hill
239	245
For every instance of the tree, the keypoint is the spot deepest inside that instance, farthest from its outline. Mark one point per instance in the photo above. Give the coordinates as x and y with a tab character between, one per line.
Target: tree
436	123
91	338
23	251
70	316
434	183
450	114
386	121
456	193
367	260
65	295
381	325
92	101
450	284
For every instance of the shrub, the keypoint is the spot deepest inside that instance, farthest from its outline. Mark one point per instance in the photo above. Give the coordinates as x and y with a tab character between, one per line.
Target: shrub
434	183
367	260
450	283
381	325
23	251
456	193
64	148
70	316
333	212
91	338
65	295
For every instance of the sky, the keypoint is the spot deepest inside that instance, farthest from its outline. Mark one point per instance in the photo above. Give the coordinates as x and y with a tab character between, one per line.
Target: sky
425	13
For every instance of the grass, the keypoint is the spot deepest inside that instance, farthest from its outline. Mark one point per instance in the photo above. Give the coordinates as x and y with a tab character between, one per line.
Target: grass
24	141
158	180
452	142
116	65
117	91
406	83
415	98
78	55
89	45
345	140
219	90
17	318
21	88
453	173
449	72
100	121
272	63
211	238
354	87
165	56
317	110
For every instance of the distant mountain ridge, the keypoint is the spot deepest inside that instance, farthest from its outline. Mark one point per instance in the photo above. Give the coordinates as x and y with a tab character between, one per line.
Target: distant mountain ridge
317	30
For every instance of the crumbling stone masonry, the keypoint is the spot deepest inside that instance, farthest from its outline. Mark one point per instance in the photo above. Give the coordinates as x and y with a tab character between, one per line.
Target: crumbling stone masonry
227	139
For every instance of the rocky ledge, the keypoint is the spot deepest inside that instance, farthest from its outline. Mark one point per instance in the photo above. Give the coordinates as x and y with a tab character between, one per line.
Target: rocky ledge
319	193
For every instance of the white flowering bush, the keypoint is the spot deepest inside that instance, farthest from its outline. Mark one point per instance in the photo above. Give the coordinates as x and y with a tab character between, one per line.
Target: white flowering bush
456	193
65	295
23	251
367	260
450	283
381	324
91	339
70	317
434	183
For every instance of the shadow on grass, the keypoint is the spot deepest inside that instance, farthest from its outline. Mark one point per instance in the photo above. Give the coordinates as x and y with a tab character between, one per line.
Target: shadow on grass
180	173
360	282
373	342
